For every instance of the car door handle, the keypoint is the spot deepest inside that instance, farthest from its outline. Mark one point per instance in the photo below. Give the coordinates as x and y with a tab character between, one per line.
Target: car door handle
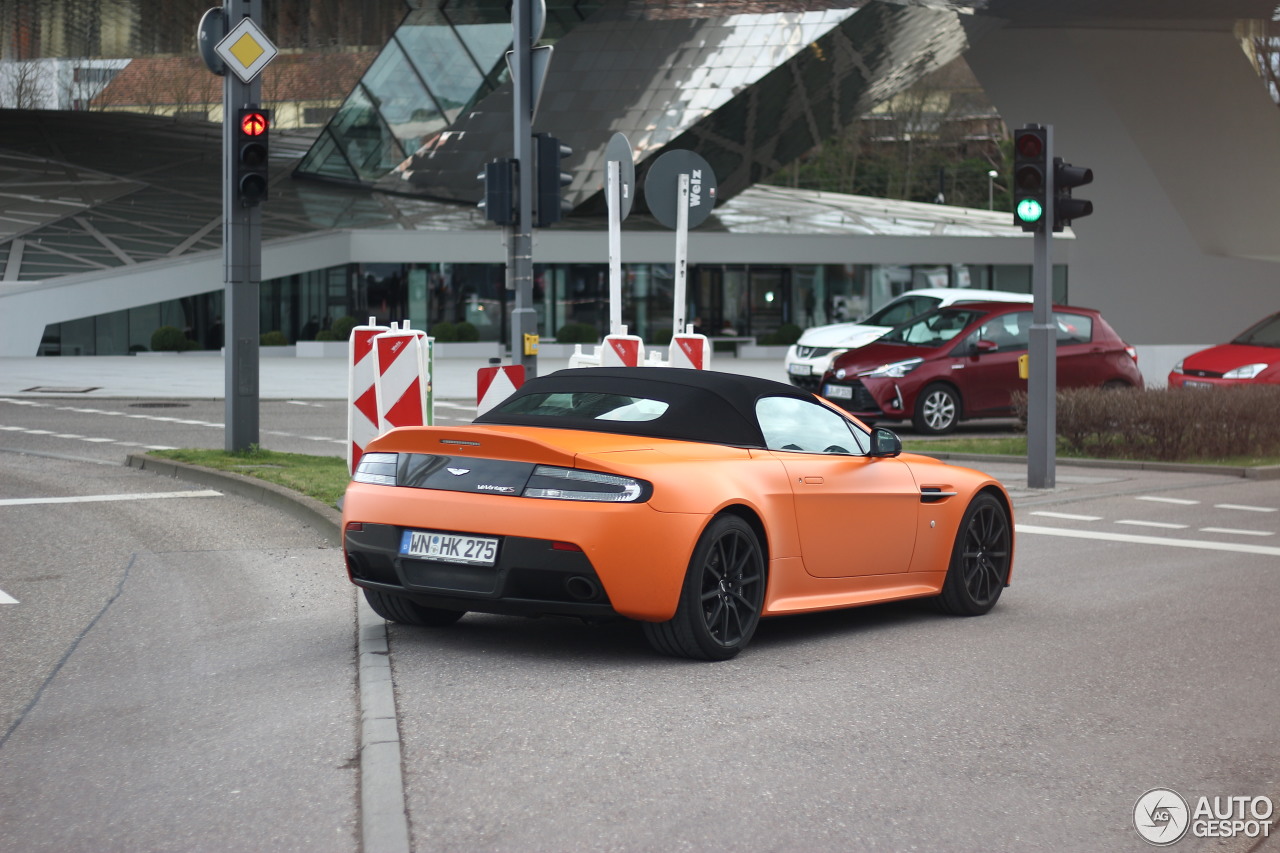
813	481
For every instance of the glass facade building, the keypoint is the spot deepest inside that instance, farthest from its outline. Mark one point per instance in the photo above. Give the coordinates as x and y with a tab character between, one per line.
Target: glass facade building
749	86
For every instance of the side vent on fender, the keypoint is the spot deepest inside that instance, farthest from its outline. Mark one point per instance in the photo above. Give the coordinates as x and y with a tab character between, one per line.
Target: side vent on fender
934	494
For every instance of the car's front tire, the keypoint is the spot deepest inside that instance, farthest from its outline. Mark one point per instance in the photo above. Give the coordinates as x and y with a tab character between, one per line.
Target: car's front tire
980	559
397	608
937	410
722	596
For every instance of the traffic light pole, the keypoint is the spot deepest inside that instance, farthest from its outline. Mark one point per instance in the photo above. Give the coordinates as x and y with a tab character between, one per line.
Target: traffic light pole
242	260
1042	378
524	320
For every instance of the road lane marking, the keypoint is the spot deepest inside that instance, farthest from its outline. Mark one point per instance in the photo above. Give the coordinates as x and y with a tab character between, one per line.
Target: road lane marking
1233	532
1179	501
5	598
75	499
1201	544
1068	516
1161	524
1244	508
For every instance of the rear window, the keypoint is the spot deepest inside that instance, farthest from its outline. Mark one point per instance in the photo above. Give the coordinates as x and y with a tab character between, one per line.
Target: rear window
586	404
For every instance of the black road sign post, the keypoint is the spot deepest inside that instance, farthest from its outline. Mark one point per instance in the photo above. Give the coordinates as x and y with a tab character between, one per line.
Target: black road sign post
233	46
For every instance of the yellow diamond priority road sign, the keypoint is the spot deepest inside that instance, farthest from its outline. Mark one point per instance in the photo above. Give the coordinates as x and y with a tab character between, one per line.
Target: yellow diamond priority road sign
246	50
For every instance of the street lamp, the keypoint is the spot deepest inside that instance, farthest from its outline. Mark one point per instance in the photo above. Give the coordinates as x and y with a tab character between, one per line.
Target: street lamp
991	189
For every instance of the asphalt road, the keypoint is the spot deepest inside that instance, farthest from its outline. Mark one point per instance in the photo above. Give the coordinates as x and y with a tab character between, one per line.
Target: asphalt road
180	671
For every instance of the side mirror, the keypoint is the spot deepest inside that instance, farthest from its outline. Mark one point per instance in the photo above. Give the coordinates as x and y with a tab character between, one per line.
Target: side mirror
983	346
885	442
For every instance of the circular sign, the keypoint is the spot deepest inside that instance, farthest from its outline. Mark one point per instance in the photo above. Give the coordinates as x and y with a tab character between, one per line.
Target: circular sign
662	187
619	150
212	29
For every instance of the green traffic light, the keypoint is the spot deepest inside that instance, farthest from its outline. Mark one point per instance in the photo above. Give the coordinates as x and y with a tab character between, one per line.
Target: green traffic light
1030	210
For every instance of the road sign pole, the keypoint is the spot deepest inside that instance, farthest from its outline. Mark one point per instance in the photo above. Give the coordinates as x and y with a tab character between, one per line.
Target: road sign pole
1042	380
524	320
613	196
242	260
678	300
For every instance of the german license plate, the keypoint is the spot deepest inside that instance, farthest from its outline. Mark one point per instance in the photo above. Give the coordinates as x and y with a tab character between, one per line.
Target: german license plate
837	392
1191	383
449	547
799	369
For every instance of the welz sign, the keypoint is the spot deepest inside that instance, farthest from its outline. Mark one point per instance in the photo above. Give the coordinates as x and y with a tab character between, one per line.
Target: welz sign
662	187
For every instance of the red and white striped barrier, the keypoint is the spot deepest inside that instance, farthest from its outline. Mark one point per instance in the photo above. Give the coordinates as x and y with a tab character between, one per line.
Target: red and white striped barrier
690	350
404	379
495	384
621	351
362	379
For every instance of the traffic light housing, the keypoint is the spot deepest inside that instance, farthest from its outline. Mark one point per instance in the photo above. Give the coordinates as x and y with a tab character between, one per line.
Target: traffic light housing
253	135
499	203
1067	177
548	206
1030	150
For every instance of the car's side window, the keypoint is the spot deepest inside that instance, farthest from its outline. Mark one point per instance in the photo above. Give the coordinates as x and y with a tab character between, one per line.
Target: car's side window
789	423
1073	328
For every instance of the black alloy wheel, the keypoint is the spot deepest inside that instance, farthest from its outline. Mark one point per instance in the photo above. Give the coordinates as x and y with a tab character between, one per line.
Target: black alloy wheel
722	596
980	559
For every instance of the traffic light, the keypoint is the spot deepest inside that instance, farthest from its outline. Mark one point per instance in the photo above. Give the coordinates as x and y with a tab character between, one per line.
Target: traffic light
253	132
499	203
1065	178
548	207
1030	148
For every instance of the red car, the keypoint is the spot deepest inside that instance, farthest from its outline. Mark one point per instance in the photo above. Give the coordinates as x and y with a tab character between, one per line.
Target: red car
1252	358
962	362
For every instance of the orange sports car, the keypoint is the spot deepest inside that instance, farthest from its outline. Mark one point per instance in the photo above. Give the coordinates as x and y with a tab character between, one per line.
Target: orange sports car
694	502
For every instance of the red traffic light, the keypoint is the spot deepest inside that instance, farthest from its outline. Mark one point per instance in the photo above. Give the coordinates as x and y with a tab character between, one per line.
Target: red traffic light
1030	145
254	123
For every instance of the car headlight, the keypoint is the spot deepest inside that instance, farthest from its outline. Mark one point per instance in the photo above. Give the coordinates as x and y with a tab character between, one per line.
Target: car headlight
378	469
1177	368
571	484
896	370
1247	372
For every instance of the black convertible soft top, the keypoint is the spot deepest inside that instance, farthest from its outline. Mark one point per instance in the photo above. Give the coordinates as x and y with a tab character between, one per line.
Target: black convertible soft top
703	405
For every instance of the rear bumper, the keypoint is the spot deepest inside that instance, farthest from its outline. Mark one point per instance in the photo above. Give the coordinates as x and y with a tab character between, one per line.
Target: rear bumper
531	577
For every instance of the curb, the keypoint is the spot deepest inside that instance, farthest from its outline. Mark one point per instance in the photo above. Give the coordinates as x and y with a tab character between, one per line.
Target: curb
1257	472
384	820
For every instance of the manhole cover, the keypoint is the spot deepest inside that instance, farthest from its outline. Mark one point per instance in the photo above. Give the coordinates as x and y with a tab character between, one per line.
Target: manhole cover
53	389
159	405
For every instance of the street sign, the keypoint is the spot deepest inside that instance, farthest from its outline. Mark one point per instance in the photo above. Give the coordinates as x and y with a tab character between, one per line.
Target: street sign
246	50
662	187
619	150
212	30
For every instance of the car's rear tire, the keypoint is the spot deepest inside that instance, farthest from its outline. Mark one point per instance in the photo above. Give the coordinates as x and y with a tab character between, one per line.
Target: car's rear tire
980	559
937	410
722	595
397	608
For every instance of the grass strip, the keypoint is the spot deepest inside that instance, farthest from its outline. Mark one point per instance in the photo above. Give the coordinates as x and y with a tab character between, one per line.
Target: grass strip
324	478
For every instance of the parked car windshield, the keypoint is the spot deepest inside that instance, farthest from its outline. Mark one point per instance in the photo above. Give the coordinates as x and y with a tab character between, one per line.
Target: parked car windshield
1264	334
901	310
933	329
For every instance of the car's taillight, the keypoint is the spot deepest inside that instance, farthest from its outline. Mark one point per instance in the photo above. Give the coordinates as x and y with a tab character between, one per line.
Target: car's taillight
571	484
378	469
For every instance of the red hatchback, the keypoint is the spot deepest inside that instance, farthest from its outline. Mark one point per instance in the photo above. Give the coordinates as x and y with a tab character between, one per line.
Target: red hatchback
962	362
1252	358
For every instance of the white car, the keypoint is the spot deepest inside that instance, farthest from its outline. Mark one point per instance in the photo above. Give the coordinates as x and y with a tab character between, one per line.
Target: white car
811	356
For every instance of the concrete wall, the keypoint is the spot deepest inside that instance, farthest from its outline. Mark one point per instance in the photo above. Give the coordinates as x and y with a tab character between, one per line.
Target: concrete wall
1185	147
